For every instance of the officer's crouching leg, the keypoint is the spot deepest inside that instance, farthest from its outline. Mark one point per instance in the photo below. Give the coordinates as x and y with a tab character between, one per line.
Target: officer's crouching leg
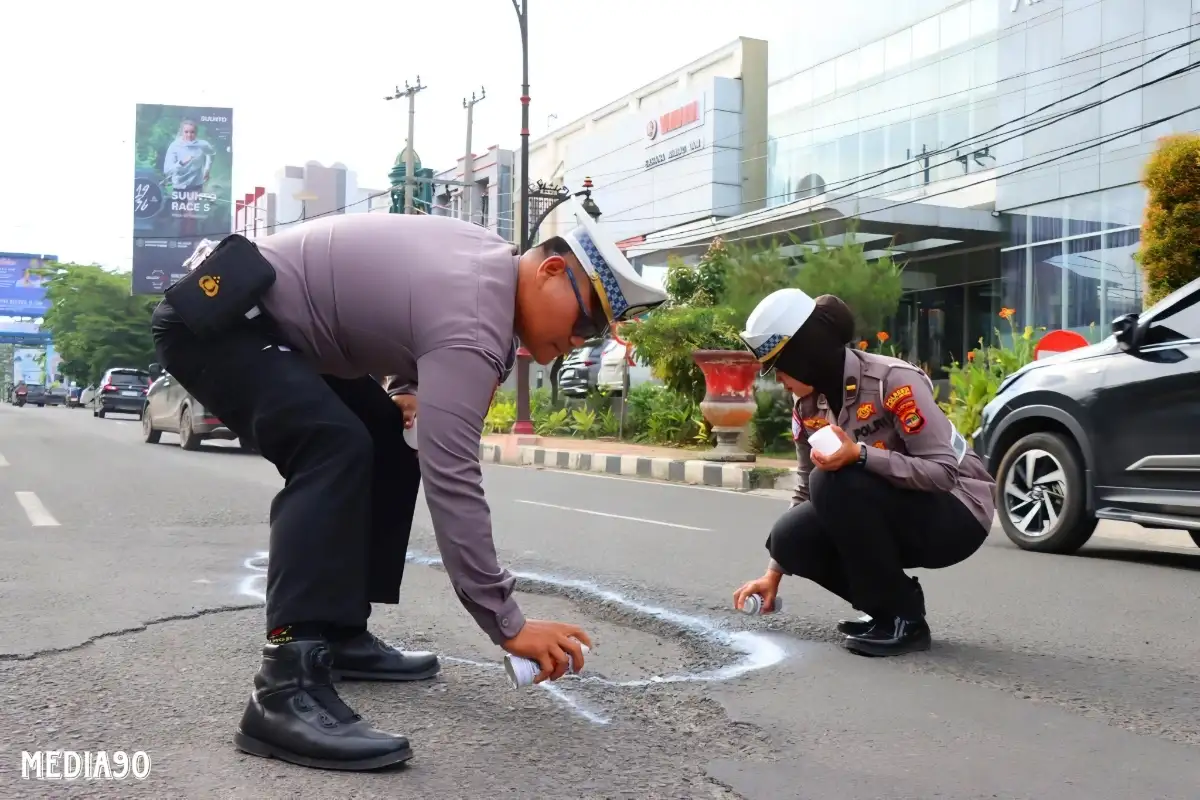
859	508
855	505
800	545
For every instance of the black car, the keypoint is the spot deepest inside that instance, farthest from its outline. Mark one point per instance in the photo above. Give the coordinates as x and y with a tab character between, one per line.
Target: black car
122	390
1110	431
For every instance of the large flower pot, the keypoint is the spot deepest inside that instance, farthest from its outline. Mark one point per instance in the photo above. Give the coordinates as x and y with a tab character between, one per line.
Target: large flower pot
728	405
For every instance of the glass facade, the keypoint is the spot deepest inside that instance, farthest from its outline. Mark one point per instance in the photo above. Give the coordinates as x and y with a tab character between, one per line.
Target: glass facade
1072	263
884	104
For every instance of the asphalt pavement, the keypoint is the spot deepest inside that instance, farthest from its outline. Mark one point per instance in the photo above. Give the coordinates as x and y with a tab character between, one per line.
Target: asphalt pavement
131	580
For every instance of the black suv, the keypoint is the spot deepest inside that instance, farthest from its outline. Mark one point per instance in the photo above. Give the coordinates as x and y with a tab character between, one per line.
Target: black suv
122	390
1110	431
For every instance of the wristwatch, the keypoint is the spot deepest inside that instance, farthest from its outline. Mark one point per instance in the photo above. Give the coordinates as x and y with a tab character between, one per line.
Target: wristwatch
862	455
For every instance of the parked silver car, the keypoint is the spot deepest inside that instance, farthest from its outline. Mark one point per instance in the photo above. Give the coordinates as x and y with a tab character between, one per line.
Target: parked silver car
172	409
580	369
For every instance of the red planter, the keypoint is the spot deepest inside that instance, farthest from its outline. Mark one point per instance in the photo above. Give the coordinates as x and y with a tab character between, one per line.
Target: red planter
729	404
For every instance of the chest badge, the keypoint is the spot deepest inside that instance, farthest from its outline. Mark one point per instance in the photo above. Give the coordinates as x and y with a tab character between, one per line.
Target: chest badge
880	445
815	423
865	411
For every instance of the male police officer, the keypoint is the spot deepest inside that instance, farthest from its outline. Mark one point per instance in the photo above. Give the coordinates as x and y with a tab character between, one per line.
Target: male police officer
902	491
310	315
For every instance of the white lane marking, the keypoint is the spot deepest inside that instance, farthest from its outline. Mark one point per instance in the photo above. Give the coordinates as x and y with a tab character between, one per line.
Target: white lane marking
34	509
783	494
3	460
614	516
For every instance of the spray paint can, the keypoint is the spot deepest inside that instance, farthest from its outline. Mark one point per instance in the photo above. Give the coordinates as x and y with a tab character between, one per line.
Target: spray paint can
410	435
753	605
522	671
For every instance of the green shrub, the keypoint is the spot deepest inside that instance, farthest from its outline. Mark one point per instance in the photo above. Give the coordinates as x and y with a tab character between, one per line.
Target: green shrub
500	417
1170	251
771	425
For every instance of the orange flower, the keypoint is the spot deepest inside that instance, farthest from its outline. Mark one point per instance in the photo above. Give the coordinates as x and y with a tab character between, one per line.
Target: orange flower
882	336
971	356
1007	313
863	345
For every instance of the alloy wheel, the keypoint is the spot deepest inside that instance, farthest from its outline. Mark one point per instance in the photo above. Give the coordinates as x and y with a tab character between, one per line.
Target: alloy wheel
1035	493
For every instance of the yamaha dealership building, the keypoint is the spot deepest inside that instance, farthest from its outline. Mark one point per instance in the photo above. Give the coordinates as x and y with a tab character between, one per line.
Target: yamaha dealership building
994	147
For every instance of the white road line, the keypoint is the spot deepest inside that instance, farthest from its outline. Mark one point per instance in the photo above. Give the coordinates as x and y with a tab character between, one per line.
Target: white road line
34	509
614	516
3	460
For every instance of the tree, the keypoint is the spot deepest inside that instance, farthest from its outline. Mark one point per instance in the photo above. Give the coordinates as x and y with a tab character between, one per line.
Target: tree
872	289
95	322
1170	252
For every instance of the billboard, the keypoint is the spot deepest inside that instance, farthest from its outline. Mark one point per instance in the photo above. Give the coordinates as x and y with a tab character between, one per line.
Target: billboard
22	293
182	188
27	365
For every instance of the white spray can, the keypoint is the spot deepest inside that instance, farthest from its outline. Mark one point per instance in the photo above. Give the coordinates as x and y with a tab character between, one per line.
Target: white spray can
754	605
522	671
410	435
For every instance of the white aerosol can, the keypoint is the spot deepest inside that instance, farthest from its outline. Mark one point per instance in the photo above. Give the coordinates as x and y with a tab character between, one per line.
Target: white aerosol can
754	605
522	671
410	435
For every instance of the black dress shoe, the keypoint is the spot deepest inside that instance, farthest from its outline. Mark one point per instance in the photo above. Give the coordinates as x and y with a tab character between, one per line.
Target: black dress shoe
295	715
366	657
891	637
857	627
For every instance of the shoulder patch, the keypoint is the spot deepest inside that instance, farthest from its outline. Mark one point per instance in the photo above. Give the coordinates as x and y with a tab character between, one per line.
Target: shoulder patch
898	396
865	411
911	419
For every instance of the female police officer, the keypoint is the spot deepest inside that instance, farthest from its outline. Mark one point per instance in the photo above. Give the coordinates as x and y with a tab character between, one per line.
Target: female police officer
904	490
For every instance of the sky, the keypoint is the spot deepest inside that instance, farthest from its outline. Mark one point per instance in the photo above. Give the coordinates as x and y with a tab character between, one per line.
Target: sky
307	81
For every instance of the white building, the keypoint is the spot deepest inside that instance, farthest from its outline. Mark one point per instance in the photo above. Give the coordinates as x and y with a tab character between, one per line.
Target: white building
303	193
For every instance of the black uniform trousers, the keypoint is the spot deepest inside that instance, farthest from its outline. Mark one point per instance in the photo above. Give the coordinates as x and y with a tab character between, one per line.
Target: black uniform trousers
341	524
857	533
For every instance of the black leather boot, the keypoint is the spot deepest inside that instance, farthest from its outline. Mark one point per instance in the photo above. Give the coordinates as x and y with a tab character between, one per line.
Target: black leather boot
891	637
295	715
366	657
857	627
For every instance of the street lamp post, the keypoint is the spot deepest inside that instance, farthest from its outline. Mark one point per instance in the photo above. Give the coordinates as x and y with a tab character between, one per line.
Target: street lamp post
524	425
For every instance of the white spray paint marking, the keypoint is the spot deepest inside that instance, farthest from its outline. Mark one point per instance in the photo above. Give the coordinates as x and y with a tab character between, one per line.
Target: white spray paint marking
758	651
37	513
256	586
613	516
3	460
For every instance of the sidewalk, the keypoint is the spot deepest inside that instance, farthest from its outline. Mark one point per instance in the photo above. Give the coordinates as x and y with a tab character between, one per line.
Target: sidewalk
625	458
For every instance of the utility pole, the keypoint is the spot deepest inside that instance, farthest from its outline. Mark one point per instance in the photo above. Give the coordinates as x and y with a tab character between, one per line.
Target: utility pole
468	191
411	93
523	424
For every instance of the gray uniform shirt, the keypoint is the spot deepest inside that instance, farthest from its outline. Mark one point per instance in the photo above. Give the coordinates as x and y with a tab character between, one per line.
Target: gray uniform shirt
888	405
429	302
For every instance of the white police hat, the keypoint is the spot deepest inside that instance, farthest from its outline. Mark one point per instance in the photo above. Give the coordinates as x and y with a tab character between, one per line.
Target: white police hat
623	293
774	321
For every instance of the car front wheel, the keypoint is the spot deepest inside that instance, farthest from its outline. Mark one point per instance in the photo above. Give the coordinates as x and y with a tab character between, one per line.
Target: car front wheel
1042	495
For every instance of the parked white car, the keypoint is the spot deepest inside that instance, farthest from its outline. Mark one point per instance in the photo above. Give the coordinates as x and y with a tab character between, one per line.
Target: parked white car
611	377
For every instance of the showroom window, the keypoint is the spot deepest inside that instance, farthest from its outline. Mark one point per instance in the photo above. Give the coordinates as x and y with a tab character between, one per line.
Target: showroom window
1073	261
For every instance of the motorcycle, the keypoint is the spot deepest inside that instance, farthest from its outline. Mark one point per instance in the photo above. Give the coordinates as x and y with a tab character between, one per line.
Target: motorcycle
21	395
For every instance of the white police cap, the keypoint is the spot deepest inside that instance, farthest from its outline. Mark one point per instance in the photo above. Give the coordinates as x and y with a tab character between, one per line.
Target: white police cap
623	293
774	321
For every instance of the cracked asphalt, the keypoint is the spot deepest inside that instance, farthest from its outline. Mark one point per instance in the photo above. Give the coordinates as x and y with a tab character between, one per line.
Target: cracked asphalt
131	624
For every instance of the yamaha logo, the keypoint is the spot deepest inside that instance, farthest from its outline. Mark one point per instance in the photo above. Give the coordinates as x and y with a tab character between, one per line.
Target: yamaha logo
652	129
214	119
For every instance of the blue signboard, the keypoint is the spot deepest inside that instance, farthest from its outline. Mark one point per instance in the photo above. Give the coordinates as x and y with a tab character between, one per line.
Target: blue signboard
21	291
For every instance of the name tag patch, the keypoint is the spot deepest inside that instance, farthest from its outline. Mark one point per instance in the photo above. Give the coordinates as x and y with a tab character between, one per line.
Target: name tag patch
865	411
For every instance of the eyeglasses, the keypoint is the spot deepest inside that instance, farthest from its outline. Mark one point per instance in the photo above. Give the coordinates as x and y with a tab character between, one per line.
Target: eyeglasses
586	325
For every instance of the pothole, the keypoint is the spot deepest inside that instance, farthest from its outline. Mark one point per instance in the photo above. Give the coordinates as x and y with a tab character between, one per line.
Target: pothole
644	645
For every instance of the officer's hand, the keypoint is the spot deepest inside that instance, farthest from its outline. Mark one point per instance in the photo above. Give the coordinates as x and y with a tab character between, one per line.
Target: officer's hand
549	644
765	587
408	404
846	455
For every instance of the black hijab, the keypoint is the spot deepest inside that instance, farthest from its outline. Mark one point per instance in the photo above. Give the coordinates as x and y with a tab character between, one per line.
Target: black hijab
816	354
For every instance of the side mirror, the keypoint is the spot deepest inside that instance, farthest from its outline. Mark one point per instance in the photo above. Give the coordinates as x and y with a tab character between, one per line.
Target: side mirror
1125	329
156	370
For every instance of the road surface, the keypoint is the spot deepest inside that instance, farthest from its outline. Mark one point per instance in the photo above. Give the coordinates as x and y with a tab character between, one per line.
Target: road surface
130	586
